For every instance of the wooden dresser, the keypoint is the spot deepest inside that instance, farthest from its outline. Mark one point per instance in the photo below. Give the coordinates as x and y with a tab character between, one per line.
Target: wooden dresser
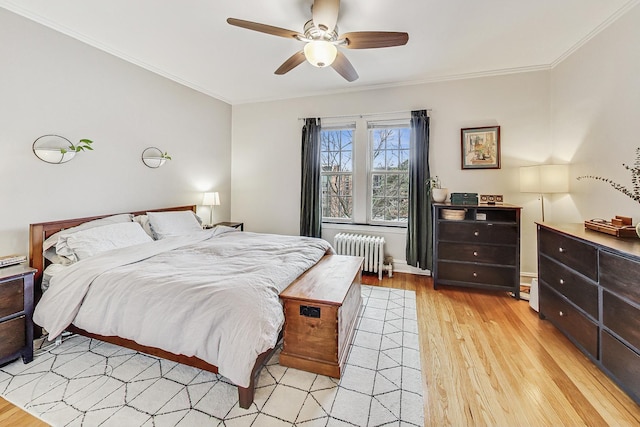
16	311
481	250
590	290
321	310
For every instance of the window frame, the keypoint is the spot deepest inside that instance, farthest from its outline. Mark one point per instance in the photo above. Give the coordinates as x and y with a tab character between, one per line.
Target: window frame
371	126
362	196
335	127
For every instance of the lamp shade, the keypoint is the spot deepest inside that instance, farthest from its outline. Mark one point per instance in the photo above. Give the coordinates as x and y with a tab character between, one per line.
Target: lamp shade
544	179
320	53
211	199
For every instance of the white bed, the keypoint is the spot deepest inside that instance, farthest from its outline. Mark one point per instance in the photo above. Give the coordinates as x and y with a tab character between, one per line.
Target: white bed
211	294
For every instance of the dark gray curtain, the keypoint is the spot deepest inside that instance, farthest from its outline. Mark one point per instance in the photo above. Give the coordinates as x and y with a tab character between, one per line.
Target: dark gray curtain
310	200
419	228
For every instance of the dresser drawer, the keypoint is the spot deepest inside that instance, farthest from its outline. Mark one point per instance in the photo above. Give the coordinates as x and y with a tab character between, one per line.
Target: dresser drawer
575	287
479	232
569	320
11	297
488	254
623	363
476	273
620	275
622	318
12	336
573	253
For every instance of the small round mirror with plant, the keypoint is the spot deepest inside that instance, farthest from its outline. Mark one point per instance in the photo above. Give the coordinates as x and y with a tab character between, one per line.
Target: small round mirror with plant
58	149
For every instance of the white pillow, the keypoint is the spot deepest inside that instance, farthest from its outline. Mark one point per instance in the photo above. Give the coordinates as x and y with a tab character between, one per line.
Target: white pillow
174	223
87	243
59	254
143	220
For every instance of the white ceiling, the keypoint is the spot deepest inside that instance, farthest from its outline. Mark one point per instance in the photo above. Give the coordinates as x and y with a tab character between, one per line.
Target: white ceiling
190	42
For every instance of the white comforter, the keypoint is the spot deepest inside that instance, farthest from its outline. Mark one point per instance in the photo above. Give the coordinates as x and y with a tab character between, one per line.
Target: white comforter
213	295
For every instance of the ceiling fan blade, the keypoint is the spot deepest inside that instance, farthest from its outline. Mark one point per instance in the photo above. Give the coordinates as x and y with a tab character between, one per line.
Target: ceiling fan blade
263	28
374	39
325	14
291	63
344	67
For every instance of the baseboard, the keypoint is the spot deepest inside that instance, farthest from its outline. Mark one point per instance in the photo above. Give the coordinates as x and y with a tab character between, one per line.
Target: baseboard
403	267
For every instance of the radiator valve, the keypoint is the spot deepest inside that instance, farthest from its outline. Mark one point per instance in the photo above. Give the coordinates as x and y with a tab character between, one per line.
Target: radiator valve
388	265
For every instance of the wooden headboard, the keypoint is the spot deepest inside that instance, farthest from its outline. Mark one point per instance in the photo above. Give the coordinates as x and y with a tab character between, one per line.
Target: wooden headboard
38	233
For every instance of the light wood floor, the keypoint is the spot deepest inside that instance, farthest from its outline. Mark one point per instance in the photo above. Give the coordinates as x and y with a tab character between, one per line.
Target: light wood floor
488	360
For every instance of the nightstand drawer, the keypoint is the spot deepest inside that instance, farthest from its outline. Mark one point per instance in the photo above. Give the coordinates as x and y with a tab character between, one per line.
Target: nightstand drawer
11	297
476	232
620	275
574	254
504	255
12	335
575	287
476	273
569	320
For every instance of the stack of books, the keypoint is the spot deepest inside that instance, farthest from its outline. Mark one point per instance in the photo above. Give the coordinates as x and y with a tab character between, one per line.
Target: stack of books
8	260
464	198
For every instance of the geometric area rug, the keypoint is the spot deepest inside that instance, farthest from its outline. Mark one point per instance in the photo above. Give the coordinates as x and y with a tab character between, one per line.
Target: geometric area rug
86	382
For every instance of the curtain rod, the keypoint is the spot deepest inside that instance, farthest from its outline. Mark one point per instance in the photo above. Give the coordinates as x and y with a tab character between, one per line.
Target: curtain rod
360	116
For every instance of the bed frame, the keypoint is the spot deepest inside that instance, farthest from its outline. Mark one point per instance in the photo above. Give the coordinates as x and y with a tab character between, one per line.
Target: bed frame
38	233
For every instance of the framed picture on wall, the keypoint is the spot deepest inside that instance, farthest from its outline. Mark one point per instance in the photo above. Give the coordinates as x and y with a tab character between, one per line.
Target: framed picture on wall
480	147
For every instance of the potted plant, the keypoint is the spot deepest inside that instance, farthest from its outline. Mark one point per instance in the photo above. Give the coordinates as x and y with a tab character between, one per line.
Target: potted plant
69	152
438	194
634	192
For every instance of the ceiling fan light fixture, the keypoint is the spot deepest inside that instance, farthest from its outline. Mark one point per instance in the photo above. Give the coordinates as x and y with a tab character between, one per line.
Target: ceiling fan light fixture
320	53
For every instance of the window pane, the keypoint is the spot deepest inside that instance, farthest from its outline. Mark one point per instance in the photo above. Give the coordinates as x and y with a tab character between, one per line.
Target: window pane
392	159
378	185
377	209
336	150
404	185
405	139
403	160
393	139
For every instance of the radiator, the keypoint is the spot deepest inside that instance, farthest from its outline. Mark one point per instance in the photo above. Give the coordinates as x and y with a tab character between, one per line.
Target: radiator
371	248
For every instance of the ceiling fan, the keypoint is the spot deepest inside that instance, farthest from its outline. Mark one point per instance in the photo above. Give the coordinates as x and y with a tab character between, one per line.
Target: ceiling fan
322	39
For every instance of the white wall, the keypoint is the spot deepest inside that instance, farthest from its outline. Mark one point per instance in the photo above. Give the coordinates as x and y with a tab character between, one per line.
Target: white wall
50	83
266	145
595	112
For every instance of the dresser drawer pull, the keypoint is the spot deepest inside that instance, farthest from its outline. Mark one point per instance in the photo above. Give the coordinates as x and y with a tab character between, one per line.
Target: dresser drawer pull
476	233
475	253
562	281
561	313
561	250
475	274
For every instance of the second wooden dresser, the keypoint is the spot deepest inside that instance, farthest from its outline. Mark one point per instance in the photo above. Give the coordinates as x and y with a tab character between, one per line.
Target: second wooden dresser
589	289
480	250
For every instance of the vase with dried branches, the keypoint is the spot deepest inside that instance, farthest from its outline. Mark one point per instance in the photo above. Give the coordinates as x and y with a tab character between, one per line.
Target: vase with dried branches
634	191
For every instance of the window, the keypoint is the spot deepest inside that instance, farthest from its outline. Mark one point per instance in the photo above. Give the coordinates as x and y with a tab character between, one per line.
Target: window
389	173
365	172
336	154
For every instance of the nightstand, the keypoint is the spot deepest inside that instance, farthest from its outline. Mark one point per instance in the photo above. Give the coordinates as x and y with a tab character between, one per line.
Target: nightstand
239	225
16	311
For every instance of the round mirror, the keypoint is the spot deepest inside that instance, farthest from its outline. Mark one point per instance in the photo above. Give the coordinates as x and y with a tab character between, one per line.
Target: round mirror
153	157
53	149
